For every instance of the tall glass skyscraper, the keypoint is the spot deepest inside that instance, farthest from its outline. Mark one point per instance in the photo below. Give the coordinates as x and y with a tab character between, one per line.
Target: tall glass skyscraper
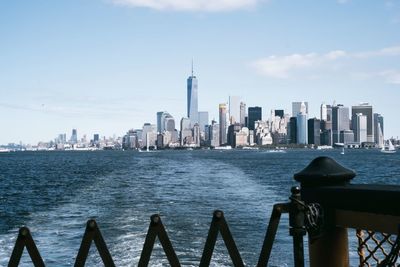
192	99
255	114
222	124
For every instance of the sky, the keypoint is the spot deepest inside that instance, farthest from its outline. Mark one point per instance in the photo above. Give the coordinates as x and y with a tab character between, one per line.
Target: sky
107	66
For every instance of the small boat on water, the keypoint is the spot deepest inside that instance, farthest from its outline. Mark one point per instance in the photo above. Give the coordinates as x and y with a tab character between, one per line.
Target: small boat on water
389	149
342	153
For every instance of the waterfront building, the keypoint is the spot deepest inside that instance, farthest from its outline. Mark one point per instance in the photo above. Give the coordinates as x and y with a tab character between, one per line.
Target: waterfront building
378	129
326	137
340	122
186	131
298	107
243	114
159	115
262	133
214	134
232	130
292	130
74	137
301	123
314	131
251	137
241	137
222	124
196	135
96	138
359	123
149	135
254	114
234	109
346	137
203	120
192	99
324	112
365	109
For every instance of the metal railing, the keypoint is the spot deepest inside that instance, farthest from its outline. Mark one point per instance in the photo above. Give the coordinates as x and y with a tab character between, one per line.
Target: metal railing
324	207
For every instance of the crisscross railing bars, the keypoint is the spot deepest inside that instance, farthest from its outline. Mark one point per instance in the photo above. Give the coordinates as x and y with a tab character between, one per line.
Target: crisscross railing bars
157	229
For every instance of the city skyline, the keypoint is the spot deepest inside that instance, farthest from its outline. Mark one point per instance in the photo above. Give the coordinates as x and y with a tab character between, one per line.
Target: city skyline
117	63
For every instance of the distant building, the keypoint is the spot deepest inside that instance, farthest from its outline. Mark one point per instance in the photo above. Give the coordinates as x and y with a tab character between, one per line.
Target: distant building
74	137
232	130
359	123
292	130
203	120
378	128
192	99
234	109
279	113
297	108
365	109
159	114
340	122
214	134
324	112
196	135
346	137
96	138
149	135
186	131
314	131
254	114
241	137
222	124
302	129
243	113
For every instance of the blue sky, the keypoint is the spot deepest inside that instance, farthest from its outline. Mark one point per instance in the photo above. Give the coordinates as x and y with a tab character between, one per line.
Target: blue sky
105	66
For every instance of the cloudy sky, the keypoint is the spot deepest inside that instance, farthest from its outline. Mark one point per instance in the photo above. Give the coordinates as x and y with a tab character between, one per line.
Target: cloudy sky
105	66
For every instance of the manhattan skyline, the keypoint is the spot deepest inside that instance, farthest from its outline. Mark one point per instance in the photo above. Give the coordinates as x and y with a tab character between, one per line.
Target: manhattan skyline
107	66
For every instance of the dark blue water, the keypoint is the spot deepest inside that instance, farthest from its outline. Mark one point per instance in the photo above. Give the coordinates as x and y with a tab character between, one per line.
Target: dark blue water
55	193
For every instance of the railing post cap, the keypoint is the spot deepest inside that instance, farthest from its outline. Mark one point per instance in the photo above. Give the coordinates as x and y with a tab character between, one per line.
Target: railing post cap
324	171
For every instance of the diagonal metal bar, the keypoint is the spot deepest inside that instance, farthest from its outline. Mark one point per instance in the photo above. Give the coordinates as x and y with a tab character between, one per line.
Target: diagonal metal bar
156	228
25	239
210	242
219	224
277	211
92	232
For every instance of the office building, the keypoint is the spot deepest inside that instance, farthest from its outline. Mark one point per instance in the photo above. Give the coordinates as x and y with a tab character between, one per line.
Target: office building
298	107
74	136
196	135
314	131
340	122
203	120
302	129
234	109
254	114
192	99
292	130
159	114
232	130
243	113
186	131
378	129
359	123
222	124
214	134
279	113
365	109
346	137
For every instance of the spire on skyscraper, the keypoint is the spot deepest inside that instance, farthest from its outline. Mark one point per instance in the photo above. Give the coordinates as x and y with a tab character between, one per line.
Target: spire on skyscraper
192	67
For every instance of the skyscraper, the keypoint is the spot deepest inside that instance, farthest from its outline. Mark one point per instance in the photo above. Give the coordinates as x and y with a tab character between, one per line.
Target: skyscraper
314	131
296	108
192	99
293	130
255	114
74	136
234	109
243	113
324	112
159	114
359	122
365	109
301	123
340	121
378	128
186	132
222	124
279	113
203	120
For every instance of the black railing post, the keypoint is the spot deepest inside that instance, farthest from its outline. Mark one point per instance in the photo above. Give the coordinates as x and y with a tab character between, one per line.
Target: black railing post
297	228
330	247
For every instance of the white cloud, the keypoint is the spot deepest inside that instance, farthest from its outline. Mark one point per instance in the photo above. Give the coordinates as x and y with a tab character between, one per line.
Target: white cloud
284	66
391	76
190	5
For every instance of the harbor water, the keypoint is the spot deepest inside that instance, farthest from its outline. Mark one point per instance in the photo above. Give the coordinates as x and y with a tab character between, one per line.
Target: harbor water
55	193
